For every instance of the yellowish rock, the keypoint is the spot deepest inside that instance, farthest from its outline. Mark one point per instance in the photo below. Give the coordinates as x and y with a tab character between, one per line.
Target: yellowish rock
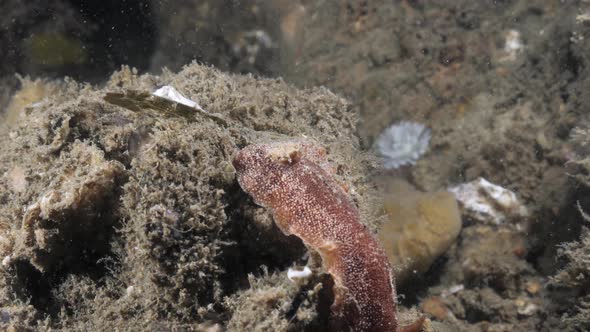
420	227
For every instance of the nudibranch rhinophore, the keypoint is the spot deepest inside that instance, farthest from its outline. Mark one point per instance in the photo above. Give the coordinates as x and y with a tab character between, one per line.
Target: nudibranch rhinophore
294	180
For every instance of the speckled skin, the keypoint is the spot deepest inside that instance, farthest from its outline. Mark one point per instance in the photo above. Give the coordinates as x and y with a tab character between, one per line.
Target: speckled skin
293	180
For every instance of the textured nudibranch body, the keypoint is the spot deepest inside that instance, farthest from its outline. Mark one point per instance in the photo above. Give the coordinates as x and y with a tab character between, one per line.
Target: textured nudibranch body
294	181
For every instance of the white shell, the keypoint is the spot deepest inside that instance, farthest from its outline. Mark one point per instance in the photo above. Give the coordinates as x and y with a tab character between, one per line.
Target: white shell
6	261
296	274
487	202
170	93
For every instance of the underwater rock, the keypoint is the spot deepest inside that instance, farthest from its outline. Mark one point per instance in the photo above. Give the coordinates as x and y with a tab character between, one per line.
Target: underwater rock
493	256
420	227
138	193
436	307
69	215
574	278
267	305
17	179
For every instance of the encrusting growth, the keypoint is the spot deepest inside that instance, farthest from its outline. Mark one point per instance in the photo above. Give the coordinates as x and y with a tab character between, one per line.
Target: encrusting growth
294	180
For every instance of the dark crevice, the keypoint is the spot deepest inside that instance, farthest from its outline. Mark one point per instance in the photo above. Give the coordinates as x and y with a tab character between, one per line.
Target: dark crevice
82	246
32	286
254	246
417	285
553	229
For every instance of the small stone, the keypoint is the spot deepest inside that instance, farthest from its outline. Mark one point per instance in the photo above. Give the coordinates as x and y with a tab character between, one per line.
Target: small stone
435	307
452	290
17	179
533	287
527	310
6	261
543	142
293	274
4	317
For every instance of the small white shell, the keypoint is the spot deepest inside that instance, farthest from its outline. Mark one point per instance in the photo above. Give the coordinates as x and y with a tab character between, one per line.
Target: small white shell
6	261
484	201
403	144
293	274
170	93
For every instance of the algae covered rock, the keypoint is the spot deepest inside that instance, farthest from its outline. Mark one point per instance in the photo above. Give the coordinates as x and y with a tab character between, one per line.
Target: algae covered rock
70	216
268	304
570	285
124	213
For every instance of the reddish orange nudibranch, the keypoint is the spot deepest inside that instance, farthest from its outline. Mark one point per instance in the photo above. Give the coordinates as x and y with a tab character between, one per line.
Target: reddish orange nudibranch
293	180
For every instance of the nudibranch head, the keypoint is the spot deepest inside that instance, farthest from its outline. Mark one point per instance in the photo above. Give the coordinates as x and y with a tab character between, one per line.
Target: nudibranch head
260	168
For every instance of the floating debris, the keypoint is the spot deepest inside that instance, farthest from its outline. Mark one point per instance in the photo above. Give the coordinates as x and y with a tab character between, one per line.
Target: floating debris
403	144
484	201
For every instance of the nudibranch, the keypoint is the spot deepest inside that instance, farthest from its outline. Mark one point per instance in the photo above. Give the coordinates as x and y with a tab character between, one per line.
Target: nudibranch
294	180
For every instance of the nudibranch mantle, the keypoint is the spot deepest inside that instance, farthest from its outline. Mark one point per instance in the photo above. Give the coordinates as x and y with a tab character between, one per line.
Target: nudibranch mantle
294	180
